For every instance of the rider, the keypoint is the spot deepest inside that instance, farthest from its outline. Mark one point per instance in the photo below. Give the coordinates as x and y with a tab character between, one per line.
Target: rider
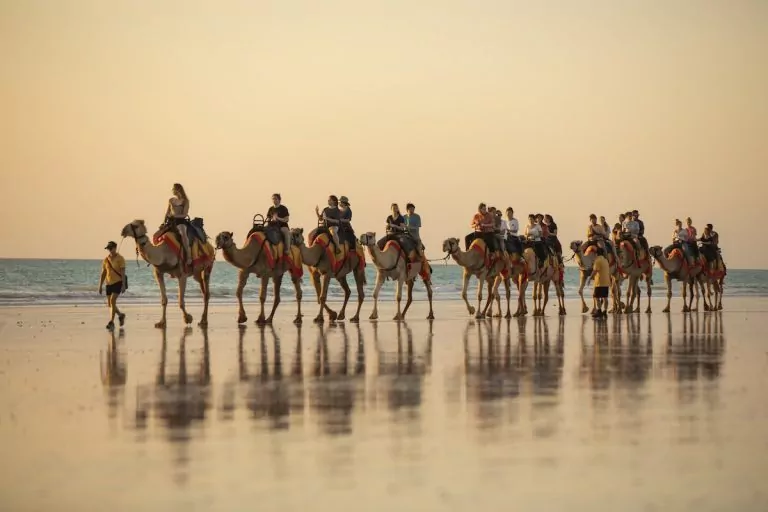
692	236
533	234
176	216
395	224
277	216
483	223
509	229
641	230
709	241
345	217
680	239
552	239
413	223
596	234
603	223
330	217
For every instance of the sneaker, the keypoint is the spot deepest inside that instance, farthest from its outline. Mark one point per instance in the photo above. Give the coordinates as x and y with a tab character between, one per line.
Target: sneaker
121	319
111	326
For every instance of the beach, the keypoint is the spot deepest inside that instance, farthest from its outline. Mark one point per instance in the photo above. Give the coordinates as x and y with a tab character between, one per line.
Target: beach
639	412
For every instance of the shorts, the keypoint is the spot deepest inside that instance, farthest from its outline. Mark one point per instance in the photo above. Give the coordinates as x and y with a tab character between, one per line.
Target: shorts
601	292
115	289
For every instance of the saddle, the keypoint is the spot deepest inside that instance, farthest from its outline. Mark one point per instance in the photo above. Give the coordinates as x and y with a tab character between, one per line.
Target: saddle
195	231
271	233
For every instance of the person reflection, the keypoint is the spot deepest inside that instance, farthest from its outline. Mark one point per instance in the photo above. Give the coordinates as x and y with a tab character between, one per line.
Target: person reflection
114	372
268	394
334	390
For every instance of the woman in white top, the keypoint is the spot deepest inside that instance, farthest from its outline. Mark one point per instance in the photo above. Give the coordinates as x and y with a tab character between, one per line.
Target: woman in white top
509	230
176	215
533	234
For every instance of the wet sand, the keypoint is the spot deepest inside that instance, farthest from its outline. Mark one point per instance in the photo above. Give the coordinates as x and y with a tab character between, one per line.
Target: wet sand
646	412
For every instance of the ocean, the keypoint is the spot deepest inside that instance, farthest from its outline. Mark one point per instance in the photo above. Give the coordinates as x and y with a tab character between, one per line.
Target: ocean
67	282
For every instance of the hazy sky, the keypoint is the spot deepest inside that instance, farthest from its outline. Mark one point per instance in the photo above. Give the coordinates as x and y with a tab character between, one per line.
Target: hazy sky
567	107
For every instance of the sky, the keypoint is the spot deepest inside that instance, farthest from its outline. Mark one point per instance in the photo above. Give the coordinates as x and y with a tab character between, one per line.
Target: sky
560	107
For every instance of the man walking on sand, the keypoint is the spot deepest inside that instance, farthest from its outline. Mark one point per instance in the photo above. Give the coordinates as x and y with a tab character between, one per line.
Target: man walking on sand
113	272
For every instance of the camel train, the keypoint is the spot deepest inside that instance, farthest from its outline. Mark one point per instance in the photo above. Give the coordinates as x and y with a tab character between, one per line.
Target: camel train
396	258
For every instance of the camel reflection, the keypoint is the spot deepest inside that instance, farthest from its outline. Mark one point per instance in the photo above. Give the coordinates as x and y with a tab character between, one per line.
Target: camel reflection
336	387
113	371
271	394
401	371
179	399
698	351
619	355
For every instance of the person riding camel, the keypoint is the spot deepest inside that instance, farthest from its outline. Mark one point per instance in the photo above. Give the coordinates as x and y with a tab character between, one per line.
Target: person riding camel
680	239
709	241
330	218
641	230
533	234
596	235
345	221
692	237
603	223
395	226
483	223
278	217
509	232
552	239
629	232
413	224
177	217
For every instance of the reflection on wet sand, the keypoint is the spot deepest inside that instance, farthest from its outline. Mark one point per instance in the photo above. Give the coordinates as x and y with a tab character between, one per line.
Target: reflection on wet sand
699	350
401	370
179	399
337	386
496	368
114	372
269	392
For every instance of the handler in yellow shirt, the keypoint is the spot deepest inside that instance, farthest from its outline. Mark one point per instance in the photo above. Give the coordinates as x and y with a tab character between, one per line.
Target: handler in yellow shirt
113	273
601	273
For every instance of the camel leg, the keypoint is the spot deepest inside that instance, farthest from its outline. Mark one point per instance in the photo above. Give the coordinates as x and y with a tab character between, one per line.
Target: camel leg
668	281
428	286
582	283
409	298
182	303
508	293
522	286
480	312
163	297
205	288
277	281
546	298
360	282
694	287
649	292
347	293
242	279
326	279
684	293
464	285
262	299
398	297
488	308
376	290
317	285
560	288
299	296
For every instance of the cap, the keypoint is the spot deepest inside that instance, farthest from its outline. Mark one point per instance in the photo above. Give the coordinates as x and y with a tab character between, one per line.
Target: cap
709	226
110	245
344	199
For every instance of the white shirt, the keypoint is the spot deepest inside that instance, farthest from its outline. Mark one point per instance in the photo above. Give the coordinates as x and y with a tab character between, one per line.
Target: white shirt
533	232
681	235
509	227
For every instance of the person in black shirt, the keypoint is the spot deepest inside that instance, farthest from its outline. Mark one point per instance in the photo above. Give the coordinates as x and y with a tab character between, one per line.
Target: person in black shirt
641	232
395	226
330	217
552	239
277	216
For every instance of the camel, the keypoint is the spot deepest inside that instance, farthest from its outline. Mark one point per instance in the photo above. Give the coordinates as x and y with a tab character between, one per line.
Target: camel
585	262
517	273
475	263
392	263
552	273
676	267
636	269
258	257
163	253
714	279
319	258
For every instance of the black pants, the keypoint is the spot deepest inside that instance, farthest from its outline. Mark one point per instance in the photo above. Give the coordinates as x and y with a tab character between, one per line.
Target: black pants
541	252
513	245
643	243
488	238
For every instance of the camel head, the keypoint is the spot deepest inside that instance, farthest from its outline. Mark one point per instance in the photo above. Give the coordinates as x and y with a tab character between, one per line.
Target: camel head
225	240
655	251
368	239
576	245
451	245
297	236
135	229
